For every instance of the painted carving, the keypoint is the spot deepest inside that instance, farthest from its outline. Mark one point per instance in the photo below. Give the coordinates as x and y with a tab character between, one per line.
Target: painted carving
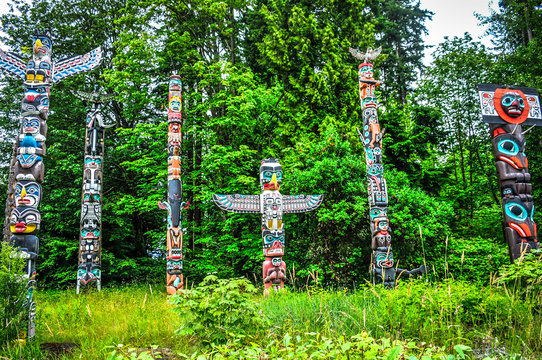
38	75
175	203
507	109
382	267
90	237
272	205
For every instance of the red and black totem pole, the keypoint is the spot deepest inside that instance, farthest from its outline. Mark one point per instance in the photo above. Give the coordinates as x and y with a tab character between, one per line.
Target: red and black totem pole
507	109
25	193
174	204
382	267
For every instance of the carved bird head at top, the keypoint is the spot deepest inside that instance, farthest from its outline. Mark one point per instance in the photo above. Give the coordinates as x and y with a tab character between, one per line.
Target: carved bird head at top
368	56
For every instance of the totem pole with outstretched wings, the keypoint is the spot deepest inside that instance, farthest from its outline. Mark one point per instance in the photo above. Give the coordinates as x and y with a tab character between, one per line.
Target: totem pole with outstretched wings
24	188
272	205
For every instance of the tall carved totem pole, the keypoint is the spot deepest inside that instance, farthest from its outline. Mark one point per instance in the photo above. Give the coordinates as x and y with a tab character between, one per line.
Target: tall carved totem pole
506	109
382	267
174	204
90	236
271	204
39	74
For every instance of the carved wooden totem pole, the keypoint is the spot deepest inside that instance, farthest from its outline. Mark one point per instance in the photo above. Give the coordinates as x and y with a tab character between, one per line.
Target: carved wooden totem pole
271	204
174	204
382	267
90	236
39	74
506	109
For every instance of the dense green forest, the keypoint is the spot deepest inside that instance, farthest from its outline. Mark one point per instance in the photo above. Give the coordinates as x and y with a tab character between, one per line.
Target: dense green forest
272	78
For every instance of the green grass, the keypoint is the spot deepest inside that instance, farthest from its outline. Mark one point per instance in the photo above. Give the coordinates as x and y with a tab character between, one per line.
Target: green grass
446	315
138	316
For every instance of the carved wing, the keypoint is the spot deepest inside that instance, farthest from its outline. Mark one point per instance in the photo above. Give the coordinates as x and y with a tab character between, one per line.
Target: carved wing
357	54
77	64
238	203
82	95
373	54
300	203
13	64
107	98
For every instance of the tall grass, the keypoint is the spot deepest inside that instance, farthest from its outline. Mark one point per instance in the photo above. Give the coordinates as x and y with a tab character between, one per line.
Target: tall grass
493	320
444	314
138	316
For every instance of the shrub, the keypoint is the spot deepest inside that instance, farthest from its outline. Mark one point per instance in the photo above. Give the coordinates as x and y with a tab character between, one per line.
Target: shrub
219	309
524	276
13	310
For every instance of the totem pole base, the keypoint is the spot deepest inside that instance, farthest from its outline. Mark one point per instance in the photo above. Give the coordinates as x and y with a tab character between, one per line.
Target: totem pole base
274	274
174	283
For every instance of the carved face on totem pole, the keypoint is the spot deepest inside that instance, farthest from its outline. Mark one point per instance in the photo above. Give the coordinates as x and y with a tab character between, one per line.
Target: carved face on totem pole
509	148
36	100
90	229
273	242
88	271
93	161
38	69
29	167
366	71
43	45
27	193
24	220
270	174
175	103
92	196
33	125
518	215
513	104
383	258
174	134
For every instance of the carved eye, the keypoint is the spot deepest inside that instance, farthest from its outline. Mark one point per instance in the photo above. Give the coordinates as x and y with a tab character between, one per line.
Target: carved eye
13	219
31	218
516	211
375	212
268	239
508	100
33	190
508	147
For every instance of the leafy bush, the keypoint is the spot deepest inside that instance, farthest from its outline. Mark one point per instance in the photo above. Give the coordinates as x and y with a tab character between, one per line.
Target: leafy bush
523	276
316	346
219	309
13	312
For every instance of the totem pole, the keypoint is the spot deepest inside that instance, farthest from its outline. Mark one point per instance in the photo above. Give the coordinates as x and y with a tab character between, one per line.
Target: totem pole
39	74
506	109
90	235
271	204
382	267
174	204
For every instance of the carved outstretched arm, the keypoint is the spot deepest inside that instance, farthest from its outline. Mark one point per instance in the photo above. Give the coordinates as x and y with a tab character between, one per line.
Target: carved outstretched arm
13	64
420	270
238	203
77	64
300	203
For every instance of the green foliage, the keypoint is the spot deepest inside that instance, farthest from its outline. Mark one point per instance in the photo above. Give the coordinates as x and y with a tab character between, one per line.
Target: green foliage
219	309
524	276
315	346
13	291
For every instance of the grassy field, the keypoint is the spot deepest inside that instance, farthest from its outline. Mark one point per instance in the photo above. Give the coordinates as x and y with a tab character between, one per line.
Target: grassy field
417	319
